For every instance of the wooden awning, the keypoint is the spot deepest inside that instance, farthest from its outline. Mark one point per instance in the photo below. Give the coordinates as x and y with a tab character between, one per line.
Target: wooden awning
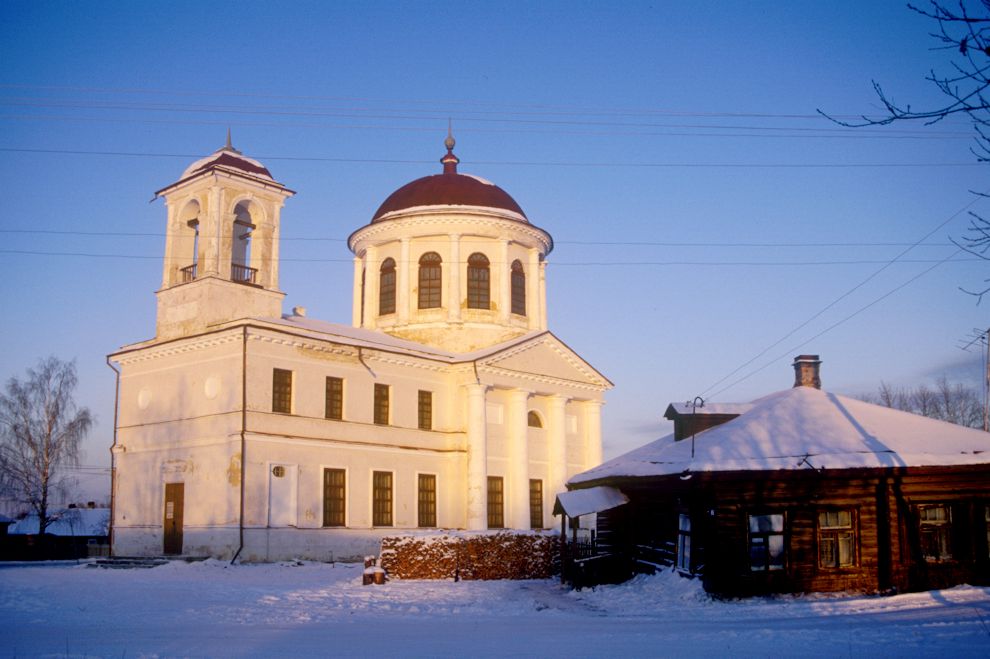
591	500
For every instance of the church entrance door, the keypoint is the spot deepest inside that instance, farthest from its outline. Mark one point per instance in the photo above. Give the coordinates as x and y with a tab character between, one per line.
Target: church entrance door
174	495
282	495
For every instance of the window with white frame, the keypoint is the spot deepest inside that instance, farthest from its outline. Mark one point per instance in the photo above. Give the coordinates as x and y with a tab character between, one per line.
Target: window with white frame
684	542
836	539
935	532
766	542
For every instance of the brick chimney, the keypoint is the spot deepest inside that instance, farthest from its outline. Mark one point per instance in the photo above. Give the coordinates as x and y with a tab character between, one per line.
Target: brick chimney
806	368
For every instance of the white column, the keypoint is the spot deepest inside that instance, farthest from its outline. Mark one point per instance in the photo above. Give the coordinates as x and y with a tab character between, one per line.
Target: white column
592	433
402	286
212	236
543	295
504	283
557	444
273	264
477	458
454	280
170	268
533	289
517	488
372	273
357	297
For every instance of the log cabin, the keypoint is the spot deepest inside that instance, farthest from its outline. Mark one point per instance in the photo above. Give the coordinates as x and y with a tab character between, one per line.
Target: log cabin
803	491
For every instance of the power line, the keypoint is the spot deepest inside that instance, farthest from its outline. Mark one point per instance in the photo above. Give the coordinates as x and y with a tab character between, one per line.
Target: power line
158	234
514	163
896	259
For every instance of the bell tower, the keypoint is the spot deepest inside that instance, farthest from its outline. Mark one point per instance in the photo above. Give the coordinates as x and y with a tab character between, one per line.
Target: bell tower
221	244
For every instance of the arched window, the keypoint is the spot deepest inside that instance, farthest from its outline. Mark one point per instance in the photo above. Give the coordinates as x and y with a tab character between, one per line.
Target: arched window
240	248
386	287
518	289
429	280
533	420
478	282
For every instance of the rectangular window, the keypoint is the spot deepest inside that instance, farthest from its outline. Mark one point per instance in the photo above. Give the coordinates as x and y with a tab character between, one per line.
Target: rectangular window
535	503
684	542
836	539
281	391
382	499
427	500
335	398
425	410
496	516
334	497
934	530
381	404
766	542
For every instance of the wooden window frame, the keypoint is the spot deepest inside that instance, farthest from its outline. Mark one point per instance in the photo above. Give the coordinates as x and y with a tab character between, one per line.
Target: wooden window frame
832	533
430	288
382	498
518	288
282	391
425	409
426	501
536	520
334	408
382	413
761	539
386	287
682	561
334	506
496	502
938	531
479	288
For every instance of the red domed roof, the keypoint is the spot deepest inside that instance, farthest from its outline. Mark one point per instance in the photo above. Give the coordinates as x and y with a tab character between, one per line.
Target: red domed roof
448	189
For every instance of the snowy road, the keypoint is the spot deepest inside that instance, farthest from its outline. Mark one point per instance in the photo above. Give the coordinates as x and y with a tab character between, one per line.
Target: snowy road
212	609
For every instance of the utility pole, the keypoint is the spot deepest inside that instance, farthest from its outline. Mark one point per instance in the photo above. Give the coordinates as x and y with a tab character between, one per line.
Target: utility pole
982	338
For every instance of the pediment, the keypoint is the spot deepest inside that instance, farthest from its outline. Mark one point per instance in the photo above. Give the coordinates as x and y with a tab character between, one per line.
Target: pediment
546	356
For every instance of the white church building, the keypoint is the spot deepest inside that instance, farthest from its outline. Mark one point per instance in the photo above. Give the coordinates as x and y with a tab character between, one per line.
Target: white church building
446	403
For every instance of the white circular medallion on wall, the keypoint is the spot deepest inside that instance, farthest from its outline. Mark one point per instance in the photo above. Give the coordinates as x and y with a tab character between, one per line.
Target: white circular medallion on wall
144	398
211	387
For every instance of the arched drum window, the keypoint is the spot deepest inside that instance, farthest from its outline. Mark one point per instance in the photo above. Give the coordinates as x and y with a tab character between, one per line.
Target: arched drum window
478	289
386	287
518	289
429	280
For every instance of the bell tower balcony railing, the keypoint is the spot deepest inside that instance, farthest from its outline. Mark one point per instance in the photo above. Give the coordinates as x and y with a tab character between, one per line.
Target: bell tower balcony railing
188	273
242	274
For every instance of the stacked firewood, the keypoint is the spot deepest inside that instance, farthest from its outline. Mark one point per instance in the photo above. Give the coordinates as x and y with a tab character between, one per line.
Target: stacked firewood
502	555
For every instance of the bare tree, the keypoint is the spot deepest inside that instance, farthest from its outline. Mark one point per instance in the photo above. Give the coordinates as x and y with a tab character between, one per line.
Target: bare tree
40	433
963	33
952	402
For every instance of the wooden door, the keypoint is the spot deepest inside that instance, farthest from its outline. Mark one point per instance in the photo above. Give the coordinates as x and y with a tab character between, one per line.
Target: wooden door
174	494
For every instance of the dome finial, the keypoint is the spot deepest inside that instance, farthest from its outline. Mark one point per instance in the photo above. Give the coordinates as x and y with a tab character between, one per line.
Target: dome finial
450	160
229	145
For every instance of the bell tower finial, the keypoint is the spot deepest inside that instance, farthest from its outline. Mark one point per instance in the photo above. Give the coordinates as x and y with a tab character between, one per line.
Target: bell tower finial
229	145
450	160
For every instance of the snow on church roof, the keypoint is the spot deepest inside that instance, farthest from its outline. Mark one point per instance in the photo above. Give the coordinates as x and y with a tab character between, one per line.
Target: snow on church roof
803	428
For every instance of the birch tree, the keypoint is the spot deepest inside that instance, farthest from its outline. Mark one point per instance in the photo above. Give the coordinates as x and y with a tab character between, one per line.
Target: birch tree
40	432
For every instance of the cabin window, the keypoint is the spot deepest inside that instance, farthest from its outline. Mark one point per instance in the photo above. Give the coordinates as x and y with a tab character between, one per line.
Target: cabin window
766	542
386	288
334	497
427	517
335	398
381	404
382	498
518	289
533	420
836	539
684	542
496	515
425	410
429	280
478	288
535	503
934	530
986	514
281	391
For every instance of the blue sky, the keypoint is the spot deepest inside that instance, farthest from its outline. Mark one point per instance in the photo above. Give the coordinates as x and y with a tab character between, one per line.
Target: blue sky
658	143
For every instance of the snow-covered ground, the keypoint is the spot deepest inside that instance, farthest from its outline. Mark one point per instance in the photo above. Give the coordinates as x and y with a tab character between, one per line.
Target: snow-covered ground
213	609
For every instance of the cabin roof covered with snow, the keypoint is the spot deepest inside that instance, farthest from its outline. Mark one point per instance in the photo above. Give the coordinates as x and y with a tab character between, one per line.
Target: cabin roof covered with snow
803	428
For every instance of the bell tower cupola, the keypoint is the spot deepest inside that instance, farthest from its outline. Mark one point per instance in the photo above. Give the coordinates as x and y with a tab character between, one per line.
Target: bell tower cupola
221	245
